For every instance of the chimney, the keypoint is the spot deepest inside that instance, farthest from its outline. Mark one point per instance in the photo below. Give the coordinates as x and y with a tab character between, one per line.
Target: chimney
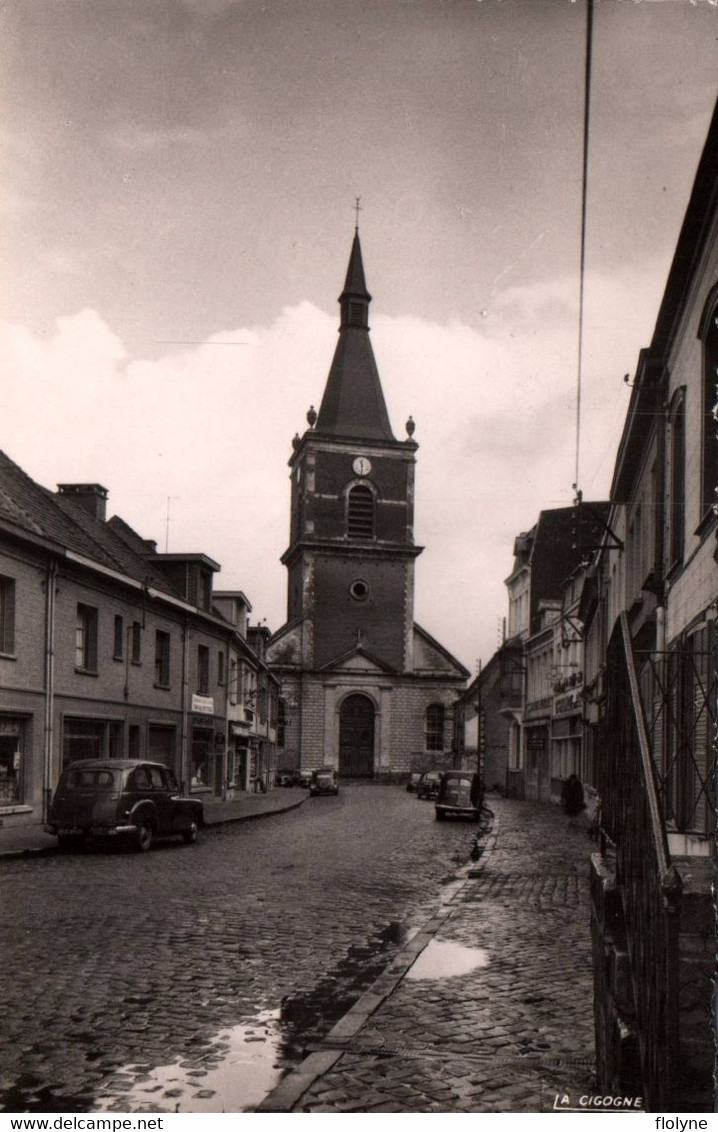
91	497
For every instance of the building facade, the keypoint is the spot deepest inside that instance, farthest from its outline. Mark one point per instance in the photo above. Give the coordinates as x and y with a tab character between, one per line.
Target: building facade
107	649
364	687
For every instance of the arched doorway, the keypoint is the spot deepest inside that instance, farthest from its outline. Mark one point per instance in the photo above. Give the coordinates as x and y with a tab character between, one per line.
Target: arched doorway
356	737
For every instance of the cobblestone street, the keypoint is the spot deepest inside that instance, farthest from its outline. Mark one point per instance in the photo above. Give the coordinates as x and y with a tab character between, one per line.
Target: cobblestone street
516	1030
189	979
272	928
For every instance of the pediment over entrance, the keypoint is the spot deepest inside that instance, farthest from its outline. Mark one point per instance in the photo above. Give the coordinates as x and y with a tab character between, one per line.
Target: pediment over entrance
356	660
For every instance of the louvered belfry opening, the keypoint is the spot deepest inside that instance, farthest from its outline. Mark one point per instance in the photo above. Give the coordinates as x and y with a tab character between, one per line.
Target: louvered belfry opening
360	513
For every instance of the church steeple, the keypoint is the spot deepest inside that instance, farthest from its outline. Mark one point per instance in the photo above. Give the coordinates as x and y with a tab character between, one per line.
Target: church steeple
353	404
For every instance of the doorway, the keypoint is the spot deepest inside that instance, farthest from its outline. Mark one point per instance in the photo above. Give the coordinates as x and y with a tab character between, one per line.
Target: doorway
356	737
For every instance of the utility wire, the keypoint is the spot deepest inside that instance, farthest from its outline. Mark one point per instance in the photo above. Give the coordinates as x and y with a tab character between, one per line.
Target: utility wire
584	195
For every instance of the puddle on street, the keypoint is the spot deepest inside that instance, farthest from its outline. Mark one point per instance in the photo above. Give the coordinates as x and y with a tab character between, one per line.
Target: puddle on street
442	959
232	1073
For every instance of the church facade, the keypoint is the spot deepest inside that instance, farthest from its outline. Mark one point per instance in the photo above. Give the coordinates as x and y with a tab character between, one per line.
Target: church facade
364	688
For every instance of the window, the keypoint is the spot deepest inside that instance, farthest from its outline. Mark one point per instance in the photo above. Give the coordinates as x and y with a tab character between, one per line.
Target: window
205	590
220	668
86	638
435	727
136	642
360	513
202	669
7	614
359	590
710	407
677	481
119	643
162	658
11	745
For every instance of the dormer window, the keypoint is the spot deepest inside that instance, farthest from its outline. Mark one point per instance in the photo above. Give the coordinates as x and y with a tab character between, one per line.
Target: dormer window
360	513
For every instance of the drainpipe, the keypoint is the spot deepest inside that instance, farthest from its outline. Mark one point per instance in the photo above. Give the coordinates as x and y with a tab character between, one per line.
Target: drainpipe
185	775
49	687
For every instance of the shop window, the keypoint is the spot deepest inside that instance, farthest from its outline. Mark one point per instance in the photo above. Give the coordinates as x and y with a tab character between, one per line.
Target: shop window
118	650
7	615
133	742
162	659
136	642
202	669
435	727
83	739
360	513
11	744
86	638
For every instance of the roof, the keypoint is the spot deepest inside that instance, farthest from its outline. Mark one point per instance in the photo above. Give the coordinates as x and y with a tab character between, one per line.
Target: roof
353	404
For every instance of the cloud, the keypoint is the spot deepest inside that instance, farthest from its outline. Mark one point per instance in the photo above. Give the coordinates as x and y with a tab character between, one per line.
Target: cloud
209	428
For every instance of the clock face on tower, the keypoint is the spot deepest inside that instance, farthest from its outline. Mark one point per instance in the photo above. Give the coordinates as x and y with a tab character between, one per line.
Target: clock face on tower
362	466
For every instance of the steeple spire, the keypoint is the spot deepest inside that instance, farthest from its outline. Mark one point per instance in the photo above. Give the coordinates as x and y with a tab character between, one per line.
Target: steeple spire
353	404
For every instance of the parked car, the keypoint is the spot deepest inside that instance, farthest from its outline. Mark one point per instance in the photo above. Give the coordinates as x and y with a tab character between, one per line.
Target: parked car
460	795
324	781
303	778
428	786
413	783
121	799
284	778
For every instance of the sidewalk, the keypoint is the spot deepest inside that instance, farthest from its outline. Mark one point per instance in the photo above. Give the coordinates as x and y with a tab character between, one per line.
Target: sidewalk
489	1008
21	841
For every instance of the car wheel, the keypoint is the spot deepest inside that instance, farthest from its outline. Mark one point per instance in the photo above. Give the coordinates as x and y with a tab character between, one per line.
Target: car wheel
144	836
189	836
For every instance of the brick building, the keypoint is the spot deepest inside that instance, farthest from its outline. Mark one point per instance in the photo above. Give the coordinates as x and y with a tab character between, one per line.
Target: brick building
109	649
364	687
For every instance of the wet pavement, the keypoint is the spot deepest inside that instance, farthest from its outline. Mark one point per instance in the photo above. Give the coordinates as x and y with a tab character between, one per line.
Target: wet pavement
191	978
490	1007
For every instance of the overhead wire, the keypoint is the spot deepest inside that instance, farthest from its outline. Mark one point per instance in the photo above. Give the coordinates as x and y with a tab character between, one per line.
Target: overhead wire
584	200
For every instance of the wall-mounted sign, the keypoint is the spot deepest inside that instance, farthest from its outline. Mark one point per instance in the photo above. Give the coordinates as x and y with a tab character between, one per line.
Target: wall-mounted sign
204	705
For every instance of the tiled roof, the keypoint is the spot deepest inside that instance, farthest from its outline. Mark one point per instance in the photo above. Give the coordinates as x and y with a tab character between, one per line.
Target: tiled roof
32	508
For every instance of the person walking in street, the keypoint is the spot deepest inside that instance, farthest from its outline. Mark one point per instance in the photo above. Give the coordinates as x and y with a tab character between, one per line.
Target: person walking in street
572	799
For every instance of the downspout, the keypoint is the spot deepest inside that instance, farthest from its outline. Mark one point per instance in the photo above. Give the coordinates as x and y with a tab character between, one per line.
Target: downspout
49	687
185	775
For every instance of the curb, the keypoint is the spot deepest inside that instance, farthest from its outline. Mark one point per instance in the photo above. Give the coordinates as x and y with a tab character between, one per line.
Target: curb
287	1094
52	850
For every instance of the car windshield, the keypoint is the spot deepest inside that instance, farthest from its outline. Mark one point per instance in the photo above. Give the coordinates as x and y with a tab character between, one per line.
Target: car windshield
324	778
89	779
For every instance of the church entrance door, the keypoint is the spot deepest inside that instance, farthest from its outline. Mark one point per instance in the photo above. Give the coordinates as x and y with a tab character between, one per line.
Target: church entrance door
356	737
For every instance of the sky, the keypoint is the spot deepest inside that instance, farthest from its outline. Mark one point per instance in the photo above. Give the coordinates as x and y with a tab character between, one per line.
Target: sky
177	214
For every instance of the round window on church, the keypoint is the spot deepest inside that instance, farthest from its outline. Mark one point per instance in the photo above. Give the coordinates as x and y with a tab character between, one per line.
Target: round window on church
359	590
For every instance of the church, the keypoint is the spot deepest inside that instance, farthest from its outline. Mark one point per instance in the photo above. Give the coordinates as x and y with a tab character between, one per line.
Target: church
363	687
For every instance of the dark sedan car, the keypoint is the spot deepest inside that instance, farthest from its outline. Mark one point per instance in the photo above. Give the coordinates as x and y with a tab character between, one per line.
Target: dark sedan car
324	781
460	795
429	784
121	799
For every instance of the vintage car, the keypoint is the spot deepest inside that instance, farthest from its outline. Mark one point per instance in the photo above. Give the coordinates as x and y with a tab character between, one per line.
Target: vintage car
284	778
324	781
460	795
121	799
428	785
413	783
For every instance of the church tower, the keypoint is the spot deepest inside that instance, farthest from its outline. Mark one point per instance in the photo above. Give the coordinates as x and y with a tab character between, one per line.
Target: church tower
350	641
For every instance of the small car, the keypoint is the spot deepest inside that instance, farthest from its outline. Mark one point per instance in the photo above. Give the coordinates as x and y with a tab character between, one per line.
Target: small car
121	799
303	778
284	778
428	786
324	781
460	795
413	783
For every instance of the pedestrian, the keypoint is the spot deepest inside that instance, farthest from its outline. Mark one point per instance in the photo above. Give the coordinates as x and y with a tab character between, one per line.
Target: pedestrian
572	799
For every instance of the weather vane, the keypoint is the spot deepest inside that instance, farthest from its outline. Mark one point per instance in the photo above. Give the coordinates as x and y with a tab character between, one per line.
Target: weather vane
357	209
